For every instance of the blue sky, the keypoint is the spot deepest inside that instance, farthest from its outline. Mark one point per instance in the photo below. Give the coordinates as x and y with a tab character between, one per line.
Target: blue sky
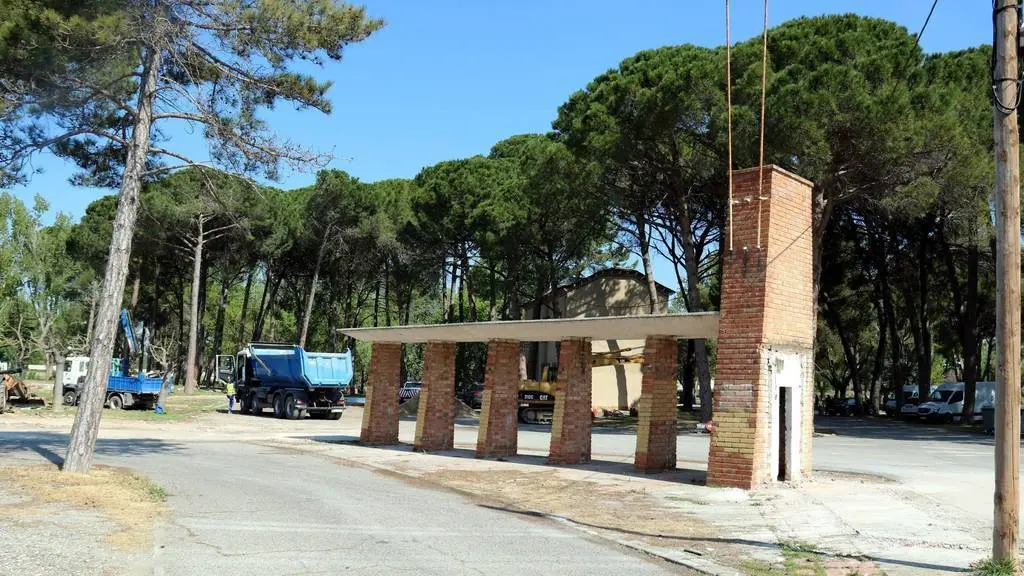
447	79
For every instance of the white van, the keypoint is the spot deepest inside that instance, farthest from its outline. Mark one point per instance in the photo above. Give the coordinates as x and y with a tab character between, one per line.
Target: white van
946	402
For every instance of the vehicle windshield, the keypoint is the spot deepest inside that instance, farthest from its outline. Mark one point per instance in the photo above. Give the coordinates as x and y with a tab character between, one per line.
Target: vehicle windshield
67	365
941	395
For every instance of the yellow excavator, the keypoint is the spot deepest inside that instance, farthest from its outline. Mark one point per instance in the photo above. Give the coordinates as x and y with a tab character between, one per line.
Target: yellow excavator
537	397
15	391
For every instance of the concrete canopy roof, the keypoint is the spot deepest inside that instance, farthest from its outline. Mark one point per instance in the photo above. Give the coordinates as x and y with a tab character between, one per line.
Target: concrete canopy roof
703	325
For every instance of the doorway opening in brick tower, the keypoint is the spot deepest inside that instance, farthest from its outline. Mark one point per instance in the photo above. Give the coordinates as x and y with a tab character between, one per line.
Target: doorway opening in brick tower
785	451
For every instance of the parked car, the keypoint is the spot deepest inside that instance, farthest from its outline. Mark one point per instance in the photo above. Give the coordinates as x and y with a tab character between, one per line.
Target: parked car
473	396
840	407
408	390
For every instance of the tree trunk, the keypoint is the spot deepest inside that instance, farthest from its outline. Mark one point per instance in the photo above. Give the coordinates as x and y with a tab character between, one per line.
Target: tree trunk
332	321
689	377
645	254
136	285
267	309
193	319
468	281
691	259
312	289
451	291
58	382
204	289
919	315
257	325
92	315
218	327
387	293
82	441
875	394
849	352
492	313
376	303
970	336
240	339
462	289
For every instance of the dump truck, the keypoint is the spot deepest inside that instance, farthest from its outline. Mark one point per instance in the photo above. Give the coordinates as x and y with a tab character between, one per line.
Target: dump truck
289	380
124	389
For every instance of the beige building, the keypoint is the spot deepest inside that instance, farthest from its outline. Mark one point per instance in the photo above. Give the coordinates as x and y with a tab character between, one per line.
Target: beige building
611	292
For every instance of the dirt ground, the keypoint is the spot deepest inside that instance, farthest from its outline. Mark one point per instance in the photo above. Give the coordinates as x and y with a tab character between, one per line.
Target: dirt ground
96	523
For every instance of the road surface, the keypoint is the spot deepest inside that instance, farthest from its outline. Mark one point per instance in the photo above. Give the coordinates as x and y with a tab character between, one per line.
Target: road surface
246	509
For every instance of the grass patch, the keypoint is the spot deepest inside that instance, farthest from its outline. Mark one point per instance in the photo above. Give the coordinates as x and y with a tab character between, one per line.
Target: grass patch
761	568
131	501
990	567
179	408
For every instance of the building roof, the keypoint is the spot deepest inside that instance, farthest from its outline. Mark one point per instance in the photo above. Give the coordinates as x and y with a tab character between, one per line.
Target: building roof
614	272
701	325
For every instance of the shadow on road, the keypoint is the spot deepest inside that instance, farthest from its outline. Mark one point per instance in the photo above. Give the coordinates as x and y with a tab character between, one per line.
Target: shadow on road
52	445
679	475
879	429
716	540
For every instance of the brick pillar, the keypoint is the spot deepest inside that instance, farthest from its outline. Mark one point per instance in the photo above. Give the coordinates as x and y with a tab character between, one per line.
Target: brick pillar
499	420
767	305
656	409
380	415
435	421
570	426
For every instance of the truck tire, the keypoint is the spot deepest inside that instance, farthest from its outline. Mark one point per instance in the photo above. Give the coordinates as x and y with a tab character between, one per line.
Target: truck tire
279	406
70	398
291	411
254	404
243	404
334	416
115	402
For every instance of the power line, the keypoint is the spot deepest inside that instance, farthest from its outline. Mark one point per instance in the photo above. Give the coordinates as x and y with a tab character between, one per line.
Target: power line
917	42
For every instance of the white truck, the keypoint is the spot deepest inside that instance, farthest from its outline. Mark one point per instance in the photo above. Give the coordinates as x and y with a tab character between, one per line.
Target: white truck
946	402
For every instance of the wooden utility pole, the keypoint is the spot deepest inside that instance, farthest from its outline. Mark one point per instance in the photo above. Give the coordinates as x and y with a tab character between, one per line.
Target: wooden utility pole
1006	527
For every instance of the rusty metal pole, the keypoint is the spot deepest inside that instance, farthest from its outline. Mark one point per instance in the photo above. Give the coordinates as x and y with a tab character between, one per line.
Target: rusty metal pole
1006	525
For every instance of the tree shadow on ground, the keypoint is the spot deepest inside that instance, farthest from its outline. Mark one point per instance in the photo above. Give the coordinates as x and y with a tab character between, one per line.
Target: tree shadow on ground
891	429
52	446
709	540
679	475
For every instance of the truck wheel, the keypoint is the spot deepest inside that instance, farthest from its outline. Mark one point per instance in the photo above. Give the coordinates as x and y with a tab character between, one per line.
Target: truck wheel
279	406
243	404
334	416
254	405
115	402
291	411
70	398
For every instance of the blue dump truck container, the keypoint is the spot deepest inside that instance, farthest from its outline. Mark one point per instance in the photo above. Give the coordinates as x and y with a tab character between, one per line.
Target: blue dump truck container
288	380
132	391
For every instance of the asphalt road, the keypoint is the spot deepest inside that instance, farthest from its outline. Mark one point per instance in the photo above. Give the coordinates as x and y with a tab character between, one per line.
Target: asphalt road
245	509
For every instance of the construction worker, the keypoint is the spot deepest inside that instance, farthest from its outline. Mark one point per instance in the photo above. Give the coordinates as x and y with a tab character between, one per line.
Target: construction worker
229	389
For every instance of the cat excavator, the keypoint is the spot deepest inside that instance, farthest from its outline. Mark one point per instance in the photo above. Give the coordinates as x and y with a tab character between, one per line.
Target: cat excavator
537	397
15	391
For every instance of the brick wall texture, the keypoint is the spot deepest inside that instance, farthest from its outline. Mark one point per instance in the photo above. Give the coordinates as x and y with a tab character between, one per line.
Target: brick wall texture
571	422
656	409
767	299
435	421
380	415
498	432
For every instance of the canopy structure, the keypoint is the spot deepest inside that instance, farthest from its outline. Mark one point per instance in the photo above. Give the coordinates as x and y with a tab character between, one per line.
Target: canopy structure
702	325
